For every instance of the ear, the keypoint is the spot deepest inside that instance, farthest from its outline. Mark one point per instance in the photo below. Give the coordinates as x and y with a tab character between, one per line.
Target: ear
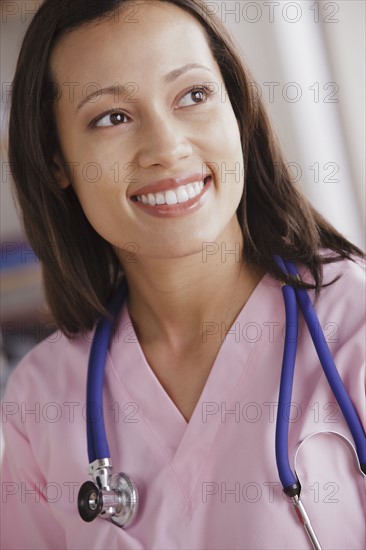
58	168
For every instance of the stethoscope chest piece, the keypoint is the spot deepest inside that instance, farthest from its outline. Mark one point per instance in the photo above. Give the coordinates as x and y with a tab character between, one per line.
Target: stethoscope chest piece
122	485
90	501
113	497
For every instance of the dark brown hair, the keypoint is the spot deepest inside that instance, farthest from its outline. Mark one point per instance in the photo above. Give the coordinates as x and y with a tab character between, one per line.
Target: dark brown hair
79	276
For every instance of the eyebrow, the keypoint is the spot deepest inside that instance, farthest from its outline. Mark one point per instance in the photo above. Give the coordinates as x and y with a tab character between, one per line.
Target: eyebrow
116	88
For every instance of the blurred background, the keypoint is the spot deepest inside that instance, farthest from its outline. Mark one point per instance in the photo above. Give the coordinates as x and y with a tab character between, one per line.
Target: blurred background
308	64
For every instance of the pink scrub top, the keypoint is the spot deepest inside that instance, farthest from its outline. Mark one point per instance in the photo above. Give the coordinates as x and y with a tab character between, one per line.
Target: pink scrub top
211	483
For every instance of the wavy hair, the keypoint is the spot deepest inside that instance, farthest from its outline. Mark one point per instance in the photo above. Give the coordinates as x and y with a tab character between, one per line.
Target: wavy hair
79	277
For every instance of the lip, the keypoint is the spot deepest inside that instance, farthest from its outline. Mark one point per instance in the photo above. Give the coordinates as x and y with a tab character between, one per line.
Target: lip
169	183
174	210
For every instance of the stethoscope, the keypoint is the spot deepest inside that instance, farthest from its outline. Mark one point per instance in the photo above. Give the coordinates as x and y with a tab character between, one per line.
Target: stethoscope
290	482
115	497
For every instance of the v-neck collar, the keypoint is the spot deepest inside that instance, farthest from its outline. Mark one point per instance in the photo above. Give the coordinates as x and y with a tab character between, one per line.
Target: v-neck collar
176	436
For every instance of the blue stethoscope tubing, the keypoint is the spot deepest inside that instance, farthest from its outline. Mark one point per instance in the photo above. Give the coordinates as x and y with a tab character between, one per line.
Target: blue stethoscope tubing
96	435
292	297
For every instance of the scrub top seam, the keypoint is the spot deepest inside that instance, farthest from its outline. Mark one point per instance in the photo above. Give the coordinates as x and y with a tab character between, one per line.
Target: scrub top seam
221	425
155	437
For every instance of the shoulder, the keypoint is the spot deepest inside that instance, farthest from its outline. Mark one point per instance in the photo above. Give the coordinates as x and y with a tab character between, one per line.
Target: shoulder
341	310
51	368
347	293
350	271
341	303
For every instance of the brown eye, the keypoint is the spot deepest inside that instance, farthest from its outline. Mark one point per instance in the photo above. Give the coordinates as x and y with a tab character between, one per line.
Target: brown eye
116	117
198	95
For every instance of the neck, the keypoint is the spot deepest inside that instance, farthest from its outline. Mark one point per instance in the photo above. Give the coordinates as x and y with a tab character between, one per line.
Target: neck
172	301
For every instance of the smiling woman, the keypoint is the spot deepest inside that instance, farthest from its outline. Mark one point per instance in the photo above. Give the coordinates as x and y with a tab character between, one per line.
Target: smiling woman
169	132
143	156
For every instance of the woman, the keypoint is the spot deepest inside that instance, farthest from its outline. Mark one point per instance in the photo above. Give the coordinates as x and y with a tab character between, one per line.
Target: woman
186	197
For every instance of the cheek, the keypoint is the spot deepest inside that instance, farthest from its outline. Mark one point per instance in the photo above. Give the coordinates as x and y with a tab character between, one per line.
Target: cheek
99	200
224	146
231	135
222	135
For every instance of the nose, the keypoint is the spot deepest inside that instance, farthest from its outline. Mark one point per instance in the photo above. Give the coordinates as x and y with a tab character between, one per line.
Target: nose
163	141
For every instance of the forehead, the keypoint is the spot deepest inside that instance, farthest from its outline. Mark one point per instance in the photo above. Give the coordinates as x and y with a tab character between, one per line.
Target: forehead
154	36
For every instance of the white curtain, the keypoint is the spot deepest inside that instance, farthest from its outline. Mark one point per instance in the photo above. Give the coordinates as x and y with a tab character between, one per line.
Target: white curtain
308	59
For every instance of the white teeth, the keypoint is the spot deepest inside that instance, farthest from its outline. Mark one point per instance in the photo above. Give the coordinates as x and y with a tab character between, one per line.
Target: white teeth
160	198
197	187
150	199
179	195
190	190
171	197
182	194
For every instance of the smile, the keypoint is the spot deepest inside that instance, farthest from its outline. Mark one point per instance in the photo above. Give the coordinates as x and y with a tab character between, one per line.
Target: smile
177	202
182	194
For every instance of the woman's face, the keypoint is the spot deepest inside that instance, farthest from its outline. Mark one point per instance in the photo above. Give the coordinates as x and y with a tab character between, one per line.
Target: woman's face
156	128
